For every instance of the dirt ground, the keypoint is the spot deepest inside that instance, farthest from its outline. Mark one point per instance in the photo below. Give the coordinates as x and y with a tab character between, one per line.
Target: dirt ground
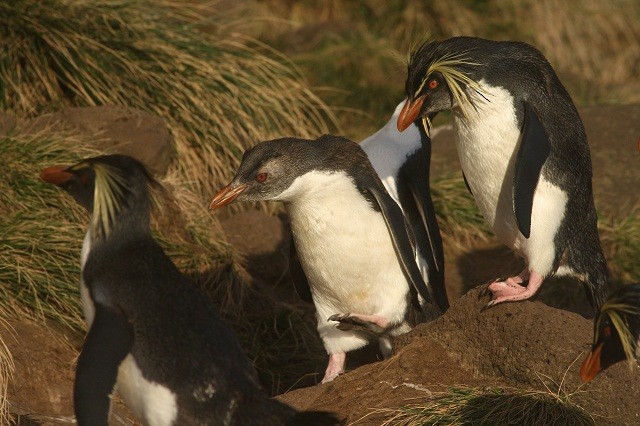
528	344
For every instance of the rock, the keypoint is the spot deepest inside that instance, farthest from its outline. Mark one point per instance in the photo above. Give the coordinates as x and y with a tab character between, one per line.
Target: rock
118	129
262	240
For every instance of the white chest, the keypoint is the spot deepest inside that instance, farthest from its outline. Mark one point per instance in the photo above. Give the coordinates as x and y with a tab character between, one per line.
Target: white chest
344	246
87	304
153	403
487	142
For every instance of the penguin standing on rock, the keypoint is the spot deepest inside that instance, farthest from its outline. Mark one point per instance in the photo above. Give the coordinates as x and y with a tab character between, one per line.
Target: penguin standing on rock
350	236
152	331
402	161
523	152
616	332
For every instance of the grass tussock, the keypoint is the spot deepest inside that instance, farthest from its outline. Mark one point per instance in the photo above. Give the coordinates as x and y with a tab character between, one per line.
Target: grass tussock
460	220
491	407
621	241
218	90
40	232
7	369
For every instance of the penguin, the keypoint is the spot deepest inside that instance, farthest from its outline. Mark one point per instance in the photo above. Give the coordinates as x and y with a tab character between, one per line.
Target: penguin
350	236
402	161
150	330
616	334
523	152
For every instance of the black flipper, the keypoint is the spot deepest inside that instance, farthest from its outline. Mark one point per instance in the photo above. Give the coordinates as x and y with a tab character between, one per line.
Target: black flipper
108	342
415	175
533	152
300	281
394	219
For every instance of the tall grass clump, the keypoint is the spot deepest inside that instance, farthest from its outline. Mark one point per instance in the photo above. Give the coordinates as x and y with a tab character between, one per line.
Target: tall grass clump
6	375
491	407
460	220
621	240
40	233
218	91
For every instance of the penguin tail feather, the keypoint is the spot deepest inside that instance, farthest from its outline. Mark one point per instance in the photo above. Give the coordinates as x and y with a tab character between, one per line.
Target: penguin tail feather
586	262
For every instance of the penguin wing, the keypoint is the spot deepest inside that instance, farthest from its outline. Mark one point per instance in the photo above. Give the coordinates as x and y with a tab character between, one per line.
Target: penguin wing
426	230
108	342
398	229
533	152
300	281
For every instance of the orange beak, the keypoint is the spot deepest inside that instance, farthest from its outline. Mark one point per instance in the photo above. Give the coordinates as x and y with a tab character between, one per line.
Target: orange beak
591	365
410	112
56	175
226	195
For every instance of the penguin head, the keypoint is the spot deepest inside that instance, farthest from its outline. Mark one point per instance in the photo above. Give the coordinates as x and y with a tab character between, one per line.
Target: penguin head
438	77
269	169
107	186
616	332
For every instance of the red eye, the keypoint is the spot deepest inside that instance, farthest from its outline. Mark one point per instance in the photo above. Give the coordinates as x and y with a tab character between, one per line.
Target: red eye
261	177
433	84
607	331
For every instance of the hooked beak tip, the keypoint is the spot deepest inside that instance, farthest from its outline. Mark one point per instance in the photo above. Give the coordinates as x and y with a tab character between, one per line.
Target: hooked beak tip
226	196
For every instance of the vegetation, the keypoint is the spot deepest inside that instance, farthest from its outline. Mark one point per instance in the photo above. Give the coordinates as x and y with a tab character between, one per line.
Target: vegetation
361	47
491	407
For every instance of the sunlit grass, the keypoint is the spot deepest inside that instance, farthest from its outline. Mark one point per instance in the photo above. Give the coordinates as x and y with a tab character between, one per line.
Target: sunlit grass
218	91
491	406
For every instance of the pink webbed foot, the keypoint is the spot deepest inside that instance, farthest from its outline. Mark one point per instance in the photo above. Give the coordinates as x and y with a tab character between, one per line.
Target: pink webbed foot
335	367
510	289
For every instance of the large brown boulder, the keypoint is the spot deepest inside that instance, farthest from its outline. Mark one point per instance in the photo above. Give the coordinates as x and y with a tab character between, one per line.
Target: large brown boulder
117	129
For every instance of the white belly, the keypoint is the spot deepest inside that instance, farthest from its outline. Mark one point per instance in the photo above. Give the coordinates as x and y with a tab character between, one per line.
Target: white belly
150	402
487	144
346	252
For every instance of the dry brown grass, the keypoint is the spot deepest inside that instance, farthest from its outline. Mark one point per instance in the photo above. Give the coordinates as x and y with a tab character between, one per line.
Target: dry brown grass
6	374
218	90
593	45
491	407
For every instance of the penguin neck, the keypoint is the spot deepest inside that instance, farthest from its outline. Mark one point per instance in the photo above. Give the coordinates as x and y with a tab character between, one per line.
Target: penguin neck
128	224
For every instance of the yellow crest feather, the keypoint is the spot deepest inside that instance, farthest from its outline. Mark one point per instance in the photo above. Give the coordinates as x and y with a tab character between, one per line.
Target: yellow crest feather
617	313
108	195
455	79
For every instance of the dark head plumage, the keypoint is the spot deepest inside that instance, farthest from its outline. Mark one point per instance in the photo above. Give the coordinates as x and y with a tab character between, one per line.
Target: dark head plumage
616	332
439	75
107	186
269	168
